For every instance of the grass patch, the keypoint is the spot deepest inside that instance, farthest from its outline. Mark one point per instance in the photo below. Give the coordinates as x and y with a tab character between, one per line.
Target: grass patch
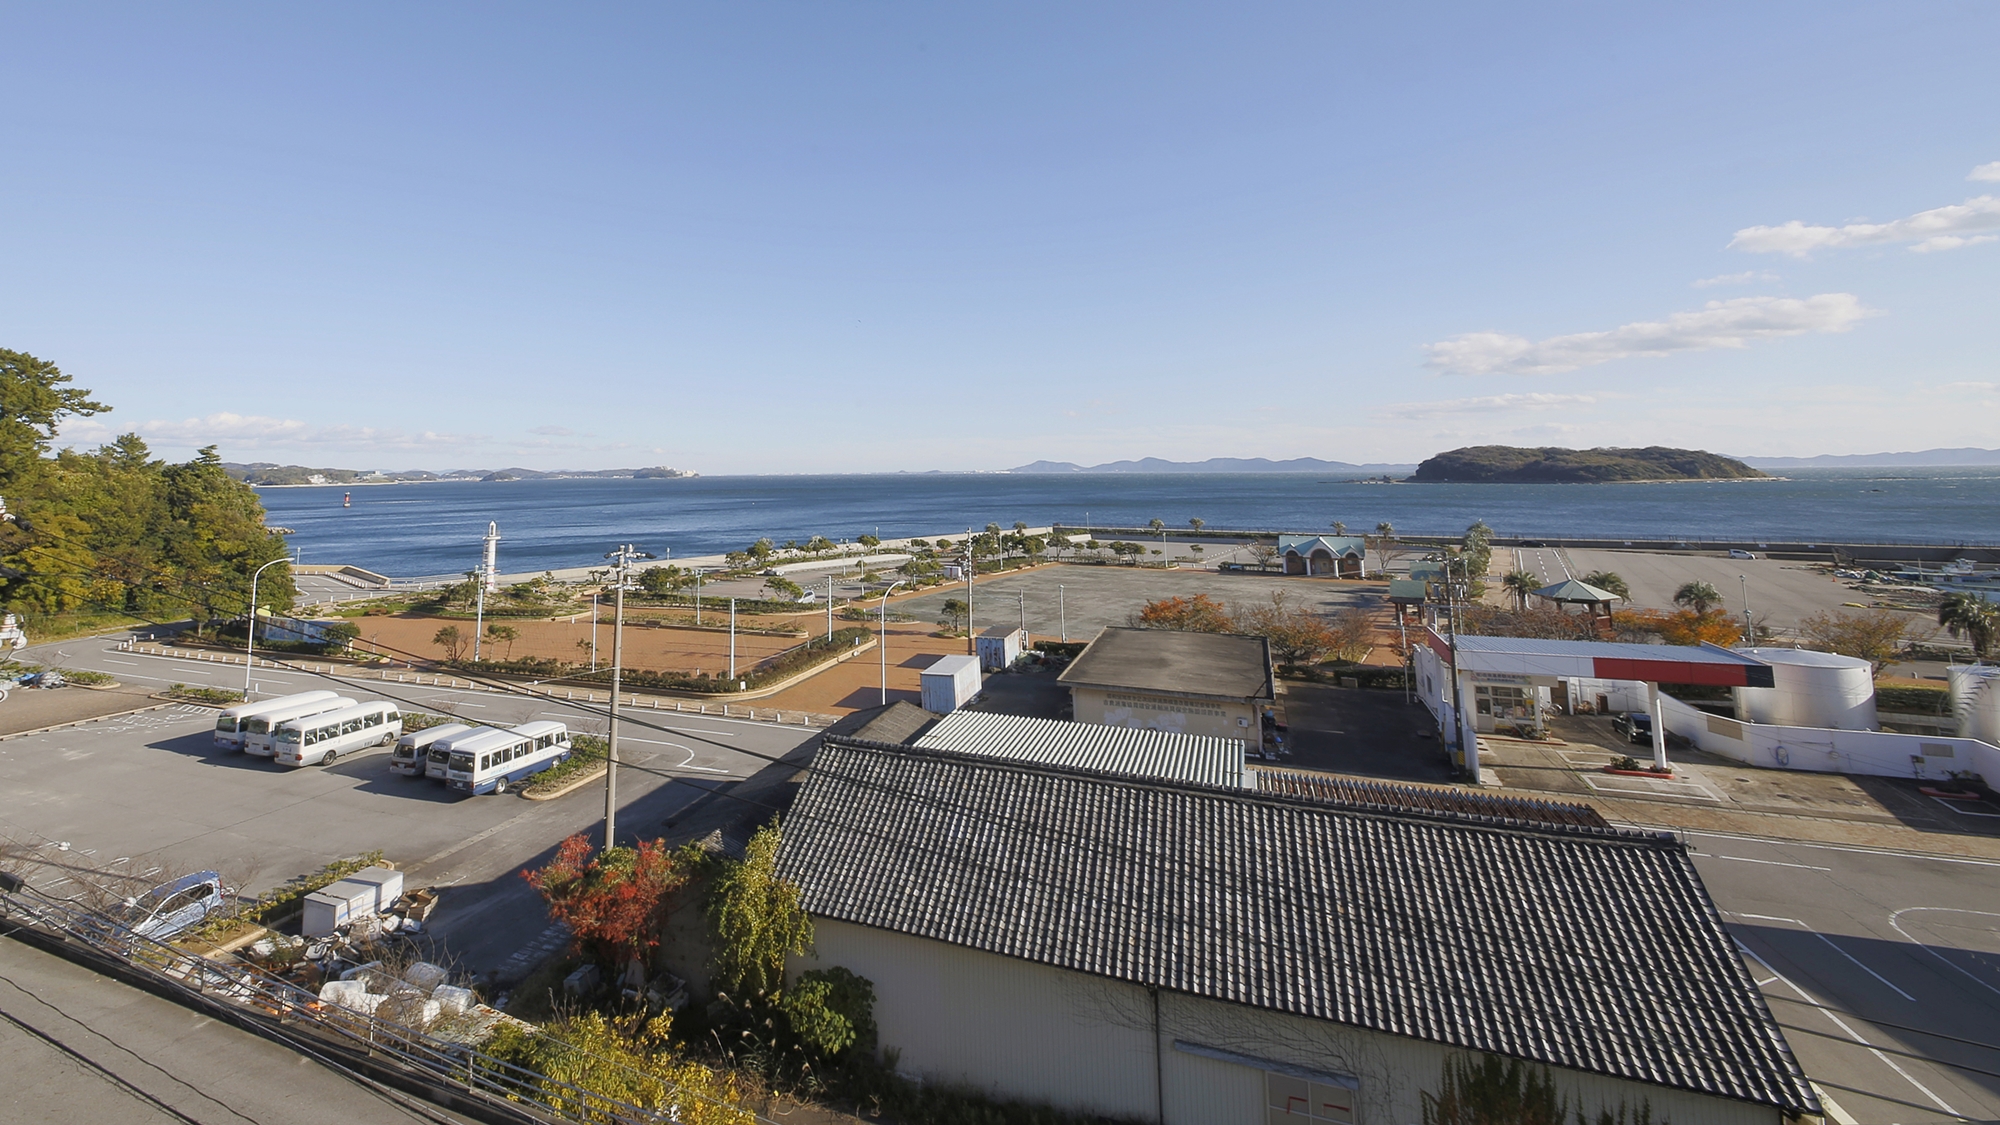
198	694
587	752
42	627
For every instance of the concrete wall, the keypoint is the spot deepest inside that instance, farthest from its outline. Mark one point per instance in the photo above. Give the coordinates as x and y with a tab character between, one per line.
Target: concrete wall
1149	711
1027	1031
1825	750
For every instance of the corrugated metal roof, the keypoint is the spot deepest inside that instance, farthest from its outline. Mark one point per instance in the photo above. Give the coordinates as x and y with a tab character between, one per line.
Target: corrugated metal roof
1603	650
1146	753
1356	793
1590	949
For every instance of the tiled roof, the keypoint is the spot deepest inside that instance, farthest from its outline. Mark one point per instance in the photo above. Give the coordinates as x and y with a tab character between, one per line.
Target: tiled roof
1147	753
1329	790
1590	949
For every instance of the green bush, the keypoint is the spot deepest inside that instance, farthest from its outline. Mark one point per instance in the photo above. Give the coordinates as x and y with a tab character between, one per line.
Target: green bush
86	676
587	751
1911	700
204	694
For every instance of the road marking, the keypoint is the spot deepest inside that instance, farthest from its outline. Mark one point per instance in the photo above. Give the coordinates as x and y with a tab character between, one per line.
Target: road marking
1851	1033
126	663
1832	1108
687	763
1828	847
1771	862
1830	943
1926	947
1958	807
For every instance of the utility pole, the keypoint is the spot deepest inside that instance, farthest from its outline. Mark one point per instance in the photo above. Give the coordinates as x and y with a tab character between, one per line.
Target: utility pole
593	628
971	569
479	613
698	573
623	558
732	640
1749	627
1062	611
1023	595
829	609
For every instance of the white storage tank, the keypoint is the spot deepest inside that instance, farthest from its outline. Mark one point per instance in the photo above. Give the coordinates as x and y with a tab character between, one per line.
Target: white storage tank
1811	689
1975	699
950	683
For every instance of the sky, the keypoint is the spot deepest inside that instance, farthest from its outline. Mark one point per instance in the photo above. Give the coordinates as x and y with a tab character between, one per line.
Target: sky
792	237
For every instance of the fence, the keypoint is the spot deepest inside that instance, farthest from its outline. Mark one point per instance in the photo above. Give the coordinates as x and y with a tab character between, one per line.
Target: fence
639	703
299	1018
1825	750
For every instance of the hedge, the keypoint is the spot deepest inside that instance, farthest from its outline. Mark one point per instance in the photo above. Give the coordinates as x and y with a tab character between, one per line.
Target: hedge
1910	700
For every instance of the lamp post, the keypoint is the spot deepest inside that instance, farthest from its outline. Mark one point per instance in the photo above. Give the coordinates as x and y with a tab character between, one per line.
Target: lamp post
1062	611
732	639
593	628
1023	595
829	609
250	647
883	642
623	558
1749	629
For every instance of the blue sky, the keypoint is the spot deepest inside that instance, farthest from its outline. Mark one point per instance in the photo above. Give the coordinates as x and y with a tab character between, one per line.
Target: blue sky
856	237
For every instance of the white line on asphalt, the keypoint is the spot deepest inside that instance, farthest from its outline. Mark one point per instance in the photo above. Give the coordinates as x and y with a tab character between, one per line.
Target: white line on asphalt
1771	862
1851	1033
1952	909
1832	1108
686	763
1831	847
126	663
1830	944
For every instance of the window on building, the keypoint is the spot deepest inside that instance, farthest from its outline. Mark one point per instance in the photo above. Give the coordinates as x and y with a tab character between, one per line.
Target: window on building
1300	1101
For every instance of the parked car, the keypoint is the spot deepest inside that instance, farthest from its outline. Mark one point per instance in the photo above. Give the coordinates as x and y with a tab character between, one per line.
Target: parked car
173	908
1740	553
1636	726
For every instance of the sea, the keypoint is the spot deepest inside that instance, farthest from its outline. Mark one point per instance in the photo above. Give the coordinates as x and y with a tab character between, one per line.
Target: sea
435	528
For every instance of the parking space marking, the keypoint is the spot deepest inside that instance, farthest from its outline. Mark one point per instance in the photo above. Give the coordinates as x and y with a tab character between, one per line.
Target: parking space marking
1959	808
1830	944
1677	790
1851	1033
1895	921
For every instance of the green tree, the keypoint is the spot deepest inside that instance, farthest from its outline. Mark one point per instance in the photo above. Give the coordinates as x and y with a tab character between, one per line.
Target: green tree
1521	583
451	641
1197	524
755	919
952	615
784	587
34	399
662	580
761	549
1610	582
1339	528
1973	617
595	1065
819	544
1874	635
871	542
1495	1091
503	634
1697	596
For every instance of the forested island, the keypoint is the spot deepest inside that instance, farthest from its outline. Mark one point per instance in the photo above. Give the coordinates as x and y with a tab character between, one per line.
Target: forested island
1517	465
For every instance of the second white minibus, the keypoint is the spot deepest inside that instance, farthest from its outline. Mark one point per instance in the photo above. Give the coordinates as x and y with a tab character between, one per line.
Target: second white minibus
320	739
491	763
413	749
229	725
257	729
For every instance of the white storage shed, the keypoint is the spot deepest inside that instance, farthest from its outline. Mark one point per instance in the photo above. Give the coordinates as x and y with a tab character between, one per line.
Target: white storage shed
387	881
1000	647
950	683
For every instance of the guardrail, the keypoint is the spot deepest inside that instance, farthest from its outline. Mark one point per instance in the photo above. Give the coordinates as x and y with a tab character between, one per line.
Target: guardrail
285	1010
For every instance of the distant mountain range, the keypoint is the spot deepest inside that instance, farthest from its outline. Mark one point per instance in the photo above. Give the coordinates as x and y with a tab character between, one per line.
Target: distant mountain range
1923	458
270	473
1214	465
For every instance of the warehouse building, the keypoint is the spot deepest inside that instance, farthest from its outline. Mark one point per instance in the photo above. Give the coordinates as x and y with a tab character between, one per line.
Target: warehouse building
1179	953
1217	684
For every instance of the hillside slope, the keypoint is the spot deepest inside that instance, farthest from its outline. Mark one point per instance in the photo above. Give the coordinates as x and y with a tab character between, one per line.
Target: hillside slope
1514	464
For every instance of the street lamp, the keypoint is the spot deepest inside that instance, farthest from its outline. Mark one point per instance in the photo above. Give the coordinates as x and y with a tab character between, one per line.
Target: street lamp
621	567
1749	628
1062	611
883	642
250	645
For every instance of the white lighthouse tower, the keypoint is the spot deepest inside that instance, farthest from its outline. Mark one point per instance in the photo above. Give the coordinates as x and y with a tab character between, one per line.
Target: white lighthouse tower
491	578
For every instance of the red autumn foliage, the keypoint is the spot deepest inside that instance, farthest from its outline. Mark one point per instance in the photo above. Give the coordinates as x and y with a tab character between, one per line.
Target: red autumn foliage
612	902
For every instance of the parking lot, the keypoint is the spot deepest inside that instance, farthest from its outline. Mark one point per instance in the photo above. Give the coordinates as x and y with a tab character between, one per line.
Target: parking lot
151	790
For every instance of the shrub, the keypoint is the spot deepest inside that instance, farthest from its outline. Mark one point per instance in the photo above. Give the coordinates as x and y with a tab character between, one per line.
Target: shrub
204	694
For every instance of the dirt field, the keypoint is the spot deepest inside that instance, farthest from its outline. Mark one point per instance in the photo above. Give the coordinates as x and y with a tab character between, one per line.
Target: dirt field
646	646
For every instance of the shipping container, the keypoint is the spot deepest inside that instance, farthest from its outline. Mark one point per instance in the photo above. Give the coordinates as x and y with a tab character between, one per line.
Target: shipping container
950	683
1000	647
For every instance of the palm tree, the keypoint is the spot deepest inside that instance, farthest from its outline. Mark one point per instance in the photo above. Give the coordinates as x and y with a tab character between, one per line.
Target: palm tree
1697	596
1608	580
1161	527
1973	616
1339	528
1196	523
1521	583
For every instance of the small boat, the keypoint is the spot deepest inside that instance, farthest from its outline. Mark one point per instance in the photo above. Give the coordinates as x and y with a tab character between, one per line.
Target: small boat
347	499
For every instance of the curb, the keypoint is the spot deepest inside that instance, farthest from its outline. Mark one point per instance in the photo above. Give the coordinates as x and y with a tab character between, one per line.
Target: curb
1654	774
92	719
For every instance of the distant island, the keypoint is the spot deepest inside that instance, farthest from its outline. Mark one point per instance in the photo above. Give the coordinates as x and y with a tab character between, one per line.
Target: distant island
1919	459
1516	465
1212	465
267	474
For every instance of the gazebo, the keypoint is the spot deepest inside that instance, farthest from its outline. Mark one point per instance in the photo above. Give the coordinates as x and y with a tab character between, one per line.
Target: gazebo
1571	591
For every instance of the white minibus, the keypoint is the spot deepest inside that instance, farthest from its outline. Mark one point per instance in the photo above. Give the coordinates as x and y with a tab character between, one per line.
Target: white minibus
257	729
439	755
326	736
229	725
491	763
413	749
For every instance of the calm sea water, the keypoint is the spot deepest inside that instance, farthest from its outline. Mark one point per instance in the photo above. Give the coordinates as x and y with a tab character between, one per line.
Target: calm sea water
421	529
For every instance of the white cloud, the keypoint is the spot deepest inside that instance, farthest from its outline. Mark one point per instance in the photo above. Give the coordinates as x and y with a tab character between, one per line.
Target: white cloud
1486	404
1744	278
1941	228
1735	323
1986	173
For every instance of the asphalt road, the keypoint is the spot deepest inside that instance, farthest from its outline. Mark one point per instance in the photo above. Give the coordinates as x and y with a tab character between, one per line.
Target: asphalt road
1869	958
1782	593
152	790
